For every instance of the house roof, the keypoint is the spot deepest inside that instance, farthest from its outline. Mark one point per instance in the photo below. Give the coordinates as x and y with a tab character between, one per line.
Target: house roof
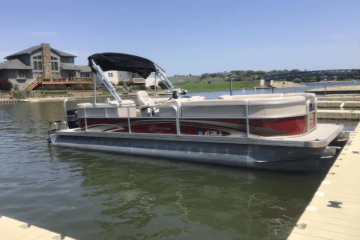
69	66
84	68
32	49
14	64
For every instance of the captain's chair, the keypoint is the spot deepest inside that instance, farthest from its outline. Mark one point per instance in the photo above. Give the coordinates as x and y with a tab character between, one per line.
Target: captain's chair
144	100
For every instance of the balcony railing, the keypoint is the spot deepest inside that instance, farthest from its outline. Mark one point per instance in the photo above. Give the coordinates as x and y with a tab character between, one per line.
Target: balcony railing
67	79
139	80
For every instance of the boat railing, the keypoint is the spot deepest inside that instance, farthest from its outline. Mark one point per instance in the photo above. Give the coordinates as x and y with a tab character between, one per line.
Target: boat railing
55	126
310	109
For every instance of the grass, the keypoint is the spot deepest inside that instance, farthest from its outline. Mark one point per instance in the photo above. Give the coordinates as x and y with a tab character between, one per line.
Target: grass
55	92
217	86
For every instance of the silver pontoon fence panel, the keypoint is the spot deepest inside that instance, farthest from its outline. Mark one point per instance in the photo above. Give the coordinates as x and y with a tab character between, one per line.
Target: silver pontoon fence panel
163	78
106	82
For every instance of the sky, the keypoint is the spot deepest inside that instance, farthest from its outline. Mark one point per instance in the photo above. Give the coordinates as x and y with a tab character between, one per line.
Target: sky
192	36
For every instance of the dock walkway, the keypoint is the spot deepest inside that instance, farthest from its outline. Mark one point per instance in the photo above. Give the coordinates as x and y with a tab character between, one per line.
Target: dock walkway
11	229
334	212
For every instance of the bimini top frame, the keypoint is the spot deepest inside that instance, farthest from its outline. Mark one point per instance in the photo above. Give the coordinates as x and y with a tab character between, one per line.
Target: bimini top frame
124	62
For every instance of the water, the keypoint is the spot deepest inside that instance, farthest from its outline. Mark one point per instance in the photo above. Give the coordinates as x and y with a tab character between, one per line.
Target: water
94	195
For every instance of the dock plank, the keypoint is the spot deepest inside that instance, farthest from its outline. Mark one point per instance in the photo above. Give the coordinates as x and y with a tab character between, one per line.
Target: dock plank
11	229
334	211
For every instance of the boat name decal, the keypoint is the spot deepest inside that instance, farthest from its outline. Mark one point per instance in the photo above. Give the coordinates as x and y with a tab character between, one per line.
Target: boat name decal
154	128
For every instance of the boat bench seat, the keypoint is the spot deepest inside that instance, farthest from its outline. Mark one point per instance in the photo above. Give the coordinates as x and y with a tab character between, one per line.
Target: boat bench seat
214	108
166	109
258	107
104	110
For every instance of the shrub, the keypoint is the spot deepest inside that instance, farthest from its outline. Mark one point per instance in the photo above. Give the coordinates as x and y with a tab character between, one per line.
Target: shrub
17	94
48	87
121	83
162	85
60	87
129	83
135	87
297	80
88	87
16	87
78	87
5	84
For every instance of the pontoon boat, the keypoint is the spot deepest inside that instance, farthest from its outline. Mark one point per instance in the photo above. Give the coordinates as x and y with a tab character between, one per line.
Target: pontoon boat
269	131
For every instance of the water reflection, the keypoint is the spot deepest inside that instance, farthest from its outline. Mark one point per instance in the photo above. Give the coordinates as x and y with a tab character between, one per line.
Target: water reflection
94	195
142	197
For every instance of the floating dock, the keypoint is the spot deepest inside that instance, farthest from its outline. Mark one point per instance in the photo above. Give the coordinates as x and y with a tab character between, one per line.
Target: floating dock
11	229
339	114
9	101
346	89
334	212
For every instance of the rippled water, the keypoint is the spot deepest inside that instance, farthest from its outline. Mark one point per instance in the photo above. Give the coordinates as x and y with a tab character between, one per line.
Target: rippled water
94	195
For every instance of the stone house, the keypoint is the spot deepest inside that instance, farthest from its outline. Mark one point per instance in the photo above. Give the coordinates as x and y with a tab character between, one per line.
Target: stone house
41	61
44	63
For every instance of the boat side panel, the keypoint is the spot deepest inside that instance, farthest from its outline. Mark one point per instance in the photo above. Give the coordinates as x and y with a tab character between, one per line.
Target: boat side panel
243	155
200	126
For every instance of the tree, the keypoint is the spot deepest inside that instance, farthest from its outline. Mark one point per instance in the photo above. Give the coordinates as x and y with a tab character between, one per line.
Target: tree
5	85
203	76
297	80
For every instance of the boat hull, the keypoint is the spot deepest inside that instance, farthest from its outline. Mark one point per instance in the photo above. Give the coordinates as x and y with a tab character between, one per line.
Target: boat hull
261	154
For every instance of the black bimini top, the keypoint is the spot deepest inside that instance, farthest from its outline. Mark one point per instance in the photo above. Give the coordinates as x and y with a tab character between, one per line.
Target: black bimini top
123	62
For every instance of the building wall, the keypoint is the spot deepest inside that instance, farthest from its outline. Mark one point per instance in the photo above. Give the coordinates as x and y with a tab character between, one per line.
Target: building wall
87	74
65	74
67	59
13	76
112	76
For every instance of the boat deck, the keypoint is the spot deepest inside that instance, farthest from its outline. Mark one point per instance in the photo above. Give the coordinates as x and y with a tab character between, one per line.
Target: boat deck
320	137
334	211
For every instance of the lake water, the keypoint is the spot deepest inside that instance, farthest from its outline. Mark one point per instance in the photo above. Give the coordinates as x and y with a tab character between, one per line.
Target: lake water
95	195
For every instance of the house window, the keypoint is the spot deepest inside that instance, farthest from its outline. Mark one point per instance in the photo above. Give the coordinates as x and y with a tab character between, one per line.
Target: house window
87	75
37	65
21	74
37	57
53	58
54	66
135	75
110	74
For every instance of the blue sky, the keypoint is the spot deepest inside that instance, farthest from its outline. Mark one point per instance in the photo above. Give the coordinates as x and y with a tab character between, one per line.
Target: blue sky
192	37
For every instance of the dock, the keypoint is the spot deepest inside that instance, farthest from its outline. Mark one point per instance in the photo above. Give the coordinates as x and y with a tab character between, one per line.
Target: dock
339	114
334	211
11	229
9	101
346	89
